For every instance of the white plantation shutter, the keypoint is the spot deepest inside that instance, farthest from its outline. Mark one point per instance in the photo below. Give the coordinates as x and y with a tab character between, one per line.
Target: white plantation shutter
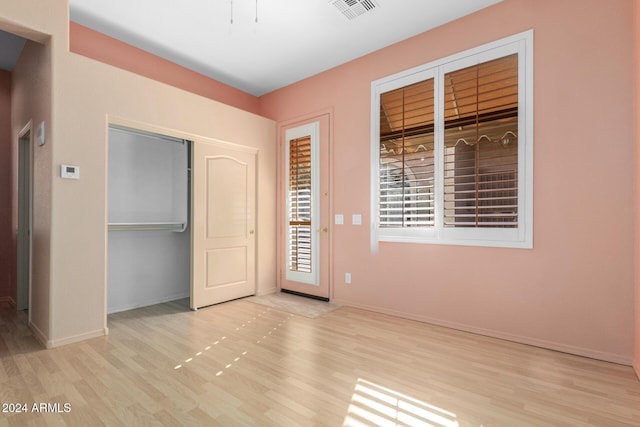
481	145
406	156
300	205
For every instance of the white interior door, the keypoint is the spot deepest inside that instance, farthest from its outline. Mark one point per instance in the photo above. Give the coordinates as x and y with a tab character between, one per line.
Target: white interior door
305	261
224	234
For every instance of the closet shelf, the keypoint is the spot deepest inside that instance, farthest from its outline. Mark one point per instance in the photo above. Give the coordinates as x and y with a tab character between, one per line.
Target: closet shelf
147	226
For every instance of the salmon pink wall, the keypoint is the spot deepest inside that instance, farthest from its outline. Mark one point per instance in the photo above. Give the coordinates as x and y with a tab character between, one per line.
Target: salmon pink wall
85	41
6	241
574	290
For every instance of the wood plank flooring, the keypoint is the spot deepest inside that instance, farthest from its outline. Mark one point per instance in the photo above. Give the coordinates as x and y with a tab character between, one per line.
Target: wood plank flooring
243	364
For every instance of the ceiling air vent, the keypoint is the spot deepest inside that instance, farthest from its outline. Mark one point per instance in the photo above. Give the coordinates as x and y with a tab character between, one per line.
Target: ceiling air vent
354	8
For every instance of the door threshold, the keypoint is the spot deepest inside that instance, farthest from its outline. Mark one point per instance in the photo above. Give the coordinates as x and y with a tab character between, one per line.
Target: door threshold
302	294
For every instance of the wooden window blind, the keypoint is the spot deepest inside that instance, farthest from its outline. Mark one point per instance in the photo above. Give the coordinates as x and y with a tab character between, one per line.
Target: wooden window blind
481	145
300	204
407	160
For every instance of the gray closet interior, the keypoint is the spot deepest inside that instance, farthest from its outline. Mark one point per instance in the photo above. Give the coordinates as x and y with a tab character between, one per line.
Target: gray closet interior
148	219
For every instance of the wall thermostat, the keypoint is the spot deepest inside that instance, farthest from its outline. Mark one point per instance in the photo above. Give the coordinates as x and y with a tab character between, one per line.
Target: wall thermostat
70	172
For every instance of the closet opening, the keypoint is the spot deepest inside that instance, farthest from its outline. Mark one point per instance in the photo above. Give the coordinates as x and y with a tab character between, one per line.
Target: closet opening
149	230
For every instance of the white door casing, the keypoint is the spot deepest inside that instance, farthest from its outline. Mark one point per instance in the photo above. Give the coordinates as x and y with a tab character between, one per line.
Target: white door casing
25	209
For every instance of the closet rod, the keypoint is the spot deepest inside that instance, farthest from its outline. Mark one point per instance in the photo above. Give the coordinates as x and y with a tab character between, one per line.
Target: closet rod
147	226
147	134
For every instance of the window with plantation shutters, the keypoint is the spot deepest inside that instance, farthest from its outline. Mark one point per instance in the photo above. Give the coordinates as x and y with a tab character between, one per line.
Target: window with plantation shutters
481	145
300	205
406	156
452	145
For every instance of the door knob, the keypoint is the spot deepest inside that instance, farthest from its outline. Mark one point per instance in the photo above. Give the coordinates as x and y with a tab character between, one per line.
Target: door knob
251	232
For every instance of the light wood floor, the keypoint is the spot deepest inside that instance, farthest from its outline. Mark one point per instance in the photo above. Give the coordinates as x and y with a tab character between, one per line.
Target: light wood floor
243	364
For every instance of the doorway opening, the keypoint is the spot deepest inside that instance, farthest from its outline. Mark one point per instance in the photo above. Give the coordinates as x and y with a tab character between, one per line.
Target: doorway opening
149	231
25	218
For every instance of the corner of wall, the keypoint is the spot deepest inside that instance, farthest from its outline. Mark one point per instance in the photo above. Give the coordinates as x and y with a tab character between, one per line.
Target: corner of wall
636	180
100	47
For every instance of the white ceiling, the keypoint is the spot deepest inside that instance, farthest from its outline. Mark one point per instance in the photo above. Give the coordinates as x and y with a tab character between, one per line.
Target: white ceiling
292	40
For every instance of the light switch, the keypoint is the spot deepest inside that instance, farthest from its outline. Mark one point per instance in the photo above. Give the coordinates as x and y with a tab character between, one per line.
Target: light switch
339	219
356	219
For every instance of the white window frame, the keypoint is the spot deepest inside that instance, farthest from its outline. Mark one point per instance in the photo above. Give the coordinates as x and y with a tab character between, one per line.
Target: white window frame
519	237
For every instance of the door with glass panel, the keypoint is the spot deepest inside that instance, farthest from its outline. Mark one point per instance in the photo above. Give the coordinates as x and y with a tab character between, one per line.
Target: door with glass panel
304	265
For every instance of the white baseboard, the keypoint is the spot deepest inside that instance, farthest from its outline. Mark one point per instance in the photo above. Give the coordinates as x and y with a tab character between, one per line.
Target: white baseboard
40	336
550	345
267	291
77	338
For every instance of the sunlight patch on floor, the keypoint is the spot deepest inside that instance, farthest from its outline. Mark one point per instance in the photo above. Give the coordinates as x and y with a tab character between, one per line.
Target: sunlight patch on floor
374	405
244	353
